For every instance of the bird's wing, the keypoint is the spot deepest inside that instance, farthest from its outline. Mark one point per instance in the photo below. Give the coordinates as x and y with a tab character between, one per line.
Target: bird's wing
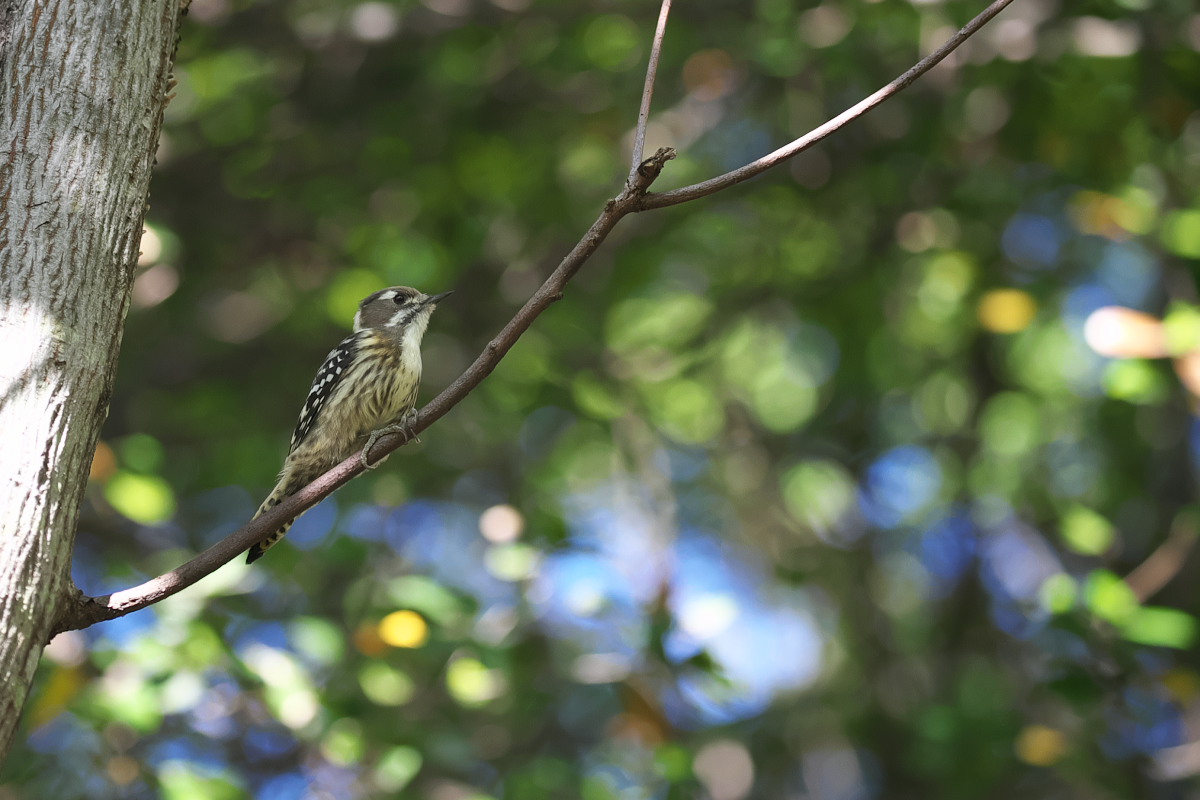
328	377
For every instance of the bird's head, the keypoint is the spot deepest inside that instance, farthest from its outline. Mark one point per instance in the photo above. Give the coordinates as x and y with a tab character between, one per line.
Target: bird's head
396	307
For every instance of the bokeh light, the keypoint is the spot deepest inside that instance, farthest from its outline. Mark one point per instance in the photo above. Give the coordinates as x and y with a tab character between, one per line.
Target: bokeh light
872	476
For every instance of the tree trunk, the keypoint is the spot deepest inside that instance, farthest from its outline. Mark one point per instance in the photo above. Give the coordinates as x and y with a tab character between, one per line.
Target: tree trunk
84	90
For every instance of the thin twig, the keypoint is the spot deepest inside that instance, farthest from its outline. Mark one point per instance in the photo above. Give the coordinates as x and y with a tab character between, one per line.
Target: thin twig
639	137
1162	565
713	185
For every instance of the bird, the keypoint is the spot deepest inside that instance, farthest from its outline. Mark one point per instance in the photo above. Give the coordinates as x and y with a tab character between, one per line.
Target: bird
366	388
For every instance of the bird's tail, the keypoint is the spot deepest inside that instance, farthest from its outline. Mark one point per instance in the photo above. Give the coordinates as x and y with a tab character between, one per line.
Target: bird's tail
288	485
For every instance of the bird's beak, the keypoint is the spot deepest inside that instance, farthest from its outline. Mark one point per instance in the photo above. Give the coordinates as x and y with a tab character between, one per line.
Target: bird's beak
437	298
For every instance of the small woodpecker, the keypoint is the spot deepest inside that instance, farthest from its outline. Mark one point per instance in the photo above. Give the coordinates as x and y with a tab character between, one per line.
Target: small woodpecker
366	388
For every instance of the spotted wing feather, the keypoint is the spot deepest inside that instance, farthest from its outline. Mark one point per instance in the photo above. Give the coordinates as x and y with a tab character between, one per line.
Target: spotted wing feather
327	379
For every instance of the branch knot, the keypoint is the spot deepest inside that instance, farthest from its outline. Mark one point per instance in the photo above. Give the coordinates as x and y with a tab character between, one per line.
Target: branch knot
652	167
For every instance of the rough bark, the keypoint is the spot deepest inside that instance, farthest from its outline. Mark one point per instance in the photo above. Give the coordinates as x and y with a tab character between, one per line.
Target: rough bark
84	85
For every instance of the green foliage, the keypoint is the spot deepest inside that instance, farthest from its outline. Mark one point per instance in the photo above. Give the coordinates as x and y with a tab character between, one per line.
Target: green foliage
820	487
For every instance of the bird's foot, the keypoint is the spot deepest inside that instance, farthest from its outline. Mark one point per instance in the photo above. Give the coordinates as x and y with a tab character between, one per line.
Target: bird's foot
404	426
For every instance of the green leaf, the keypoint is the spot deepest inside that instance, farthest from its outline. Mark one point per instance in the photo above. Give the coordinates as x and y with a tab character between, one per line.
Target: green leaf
1181	233
1109	597
397	767
1160	627
1087	532
183	780
147	499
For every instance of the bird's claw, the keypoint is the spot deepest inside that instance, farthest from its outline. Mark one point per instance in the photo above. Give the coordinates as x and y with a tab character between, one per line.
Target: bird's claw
362	456
403	426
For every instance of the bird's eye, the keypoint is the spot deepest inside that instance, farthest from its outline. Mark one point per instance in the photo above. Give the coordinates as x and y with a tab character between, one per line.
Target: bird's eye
399	299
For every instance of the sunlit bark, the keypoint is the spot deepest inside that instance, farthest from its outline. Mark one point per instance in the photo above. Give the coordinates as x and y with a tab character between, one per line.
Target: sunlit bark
84	88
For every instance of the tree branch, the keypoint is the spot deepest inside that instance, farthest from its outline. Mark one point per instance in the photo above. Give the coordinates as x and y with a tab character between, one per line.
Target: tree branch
81	611
754	168
1162	565
639	137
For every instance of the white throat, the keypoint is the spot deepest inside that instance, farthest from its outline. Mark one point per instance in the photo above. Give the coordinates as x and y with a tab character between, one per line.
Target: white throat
414	331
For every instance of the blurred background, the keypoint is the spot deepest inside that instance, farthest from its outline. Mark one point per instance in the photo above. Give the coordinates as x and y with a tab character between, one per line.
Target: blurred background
871	478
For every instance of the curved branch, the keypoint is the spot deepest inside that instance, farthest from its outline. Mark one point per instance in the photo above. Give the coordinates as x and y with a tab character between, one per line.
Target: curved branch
1162	565
754	168
80	611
